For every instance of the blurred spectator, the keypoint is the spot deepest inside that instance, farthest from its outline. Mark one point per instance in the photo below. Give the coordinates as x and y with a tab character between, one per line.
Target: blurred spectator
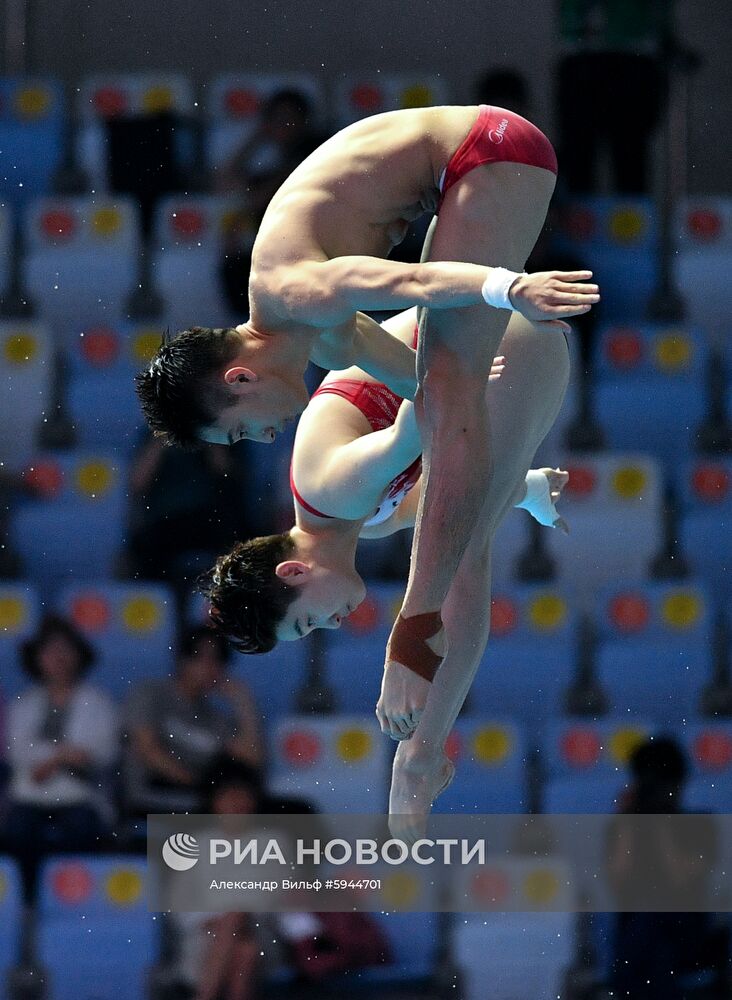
504	88
178	726
218	954
186	508
61	735
611	90
284	137
652	952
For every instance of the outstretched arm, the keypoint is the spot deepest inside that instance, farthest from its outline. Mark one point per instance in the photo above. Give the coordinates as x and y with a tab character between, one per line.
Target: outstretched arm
325	293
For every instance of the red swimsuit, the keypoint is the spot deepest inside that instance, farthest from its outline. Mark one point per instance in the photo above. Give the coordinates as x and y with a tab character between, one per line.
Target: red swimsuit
498	136
380	406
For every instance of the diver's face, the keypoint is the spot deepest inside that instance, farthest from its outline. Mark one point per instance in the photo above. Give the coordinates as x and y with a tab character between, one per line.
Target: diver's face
260	413
324	599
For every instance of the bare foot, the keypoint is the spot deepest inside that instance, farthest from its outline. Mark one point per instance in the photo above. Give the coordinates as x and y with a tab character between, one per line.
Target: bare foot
557	480
404	694
414	788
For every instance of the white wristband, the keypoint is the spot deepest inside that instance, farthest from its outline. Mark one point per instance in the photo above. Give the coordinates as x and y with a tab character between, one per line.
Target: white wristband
496	285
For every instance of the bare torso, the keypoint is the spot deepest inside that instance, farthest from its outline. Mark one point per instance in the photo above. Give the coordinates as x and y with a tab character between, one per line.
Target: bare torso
357	193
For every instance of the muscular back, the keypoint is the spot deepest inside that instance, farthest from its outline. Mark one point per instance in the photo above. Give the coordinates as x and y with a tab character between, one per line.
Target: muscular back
357	192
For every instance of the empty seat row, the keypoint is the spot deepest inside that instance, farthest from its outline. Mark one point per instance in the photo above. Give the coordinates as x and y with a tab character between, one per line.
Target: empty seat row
618	239
94	934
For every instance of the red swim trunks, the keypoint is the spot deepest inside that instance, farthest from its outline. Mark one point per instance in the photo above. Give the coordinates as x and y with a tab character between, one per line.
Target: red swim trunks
498	136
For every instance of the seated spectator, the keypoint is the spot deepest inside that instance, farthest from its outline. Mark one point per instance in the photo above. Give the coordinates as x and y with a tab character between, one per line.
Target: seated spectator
284	137
178	726
186	507
218	954
61	735
653	952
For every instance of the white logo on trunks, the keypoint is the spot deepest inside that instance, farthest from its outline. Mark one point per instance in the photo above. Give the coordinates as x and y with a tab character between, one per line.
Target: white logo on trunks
496	134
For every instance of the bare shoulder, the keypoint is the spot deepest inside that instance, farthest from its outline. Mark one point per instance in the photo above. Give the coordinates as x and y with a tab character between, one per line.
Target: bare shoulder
328	425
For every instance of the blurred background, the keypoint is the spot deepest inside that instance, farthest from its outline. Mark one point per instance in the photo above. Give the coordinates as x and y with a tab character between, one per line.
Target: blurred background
139	146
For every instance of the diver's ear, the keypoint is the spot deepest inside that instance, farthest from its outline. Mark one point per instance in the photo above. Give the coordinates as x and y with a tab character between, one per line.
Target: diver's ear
239	377
293	572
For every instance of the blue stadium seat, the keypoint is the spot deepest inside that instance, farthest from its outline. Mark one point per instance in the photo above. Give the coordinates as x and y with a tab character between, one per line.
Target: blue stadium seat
31	136
615	237
703	260
708	748
102	362
82	260
339	763
26	376
20	610
584	795
75	526
235	103
651	369
613	504
189	239
518	954
95	936
511	541
708	795
116	351
653	612
359	96
704	489
490	758
132	627
413	938
530	659
588	748
354	654
105	413
11	918
107	96
656	679
654	656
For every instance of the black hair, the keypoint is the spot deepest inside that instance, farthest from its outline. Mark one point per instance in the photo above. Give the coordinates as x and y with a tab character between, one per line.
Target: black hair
225	772
54	625
660	760
248	599
178	391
